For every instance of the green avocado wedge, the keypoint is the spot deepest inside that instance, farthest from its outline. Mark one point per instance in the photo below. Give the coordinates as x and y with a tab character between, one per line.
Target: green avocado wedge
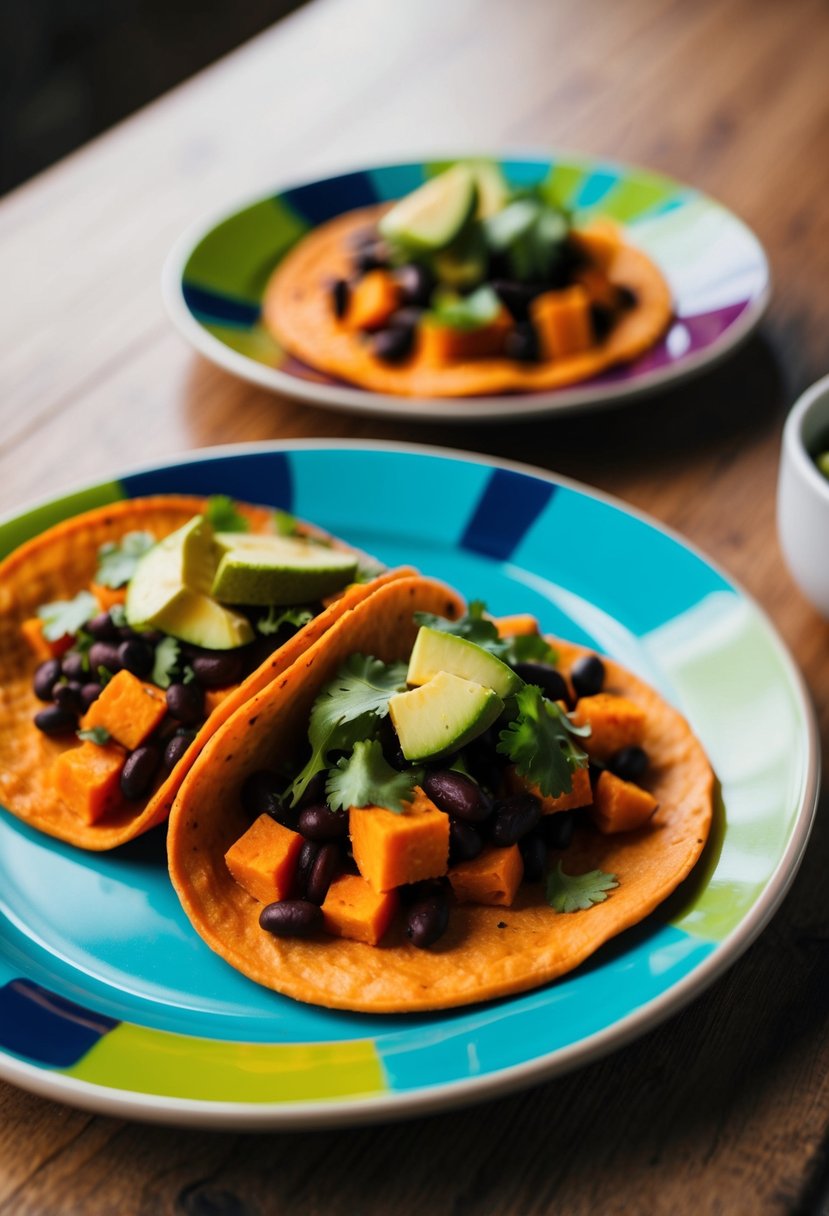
442	716
432	216
279	570
435	651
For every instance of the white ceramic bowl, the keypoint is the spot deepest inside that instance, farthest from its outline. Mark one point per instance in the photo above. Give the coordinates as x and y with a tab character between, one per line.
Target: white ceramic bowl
803	495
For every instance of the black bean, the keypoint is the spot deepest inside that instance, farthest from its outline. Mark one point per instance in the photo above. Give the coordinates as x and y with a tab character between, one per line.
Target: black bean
514	818
305	863
291	918
73	666
126	633
629	763
551	682
104	654
90	692
340	293
136	656
218	670
262	793
319	822
394	344
55	721
139	769
465	842
69	696
320	877
587	675
102	628
515	296
314	791
152	636
413	892
185	702
415	283
627	296
602	319
371	257
427	920
392	751
457	795
175	749
557	829
45	678
521	343
534	855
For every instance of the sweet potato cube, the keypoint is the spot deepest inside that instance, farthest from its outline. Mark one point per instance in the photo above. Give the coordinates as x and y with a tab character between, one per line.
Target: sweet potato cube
213	697
88	779
491	878
352	908
580	795
442	344
563	322
614	722
598	286
373	299
521	625
108	597
391	849
42	648
264	859
128	708
620	806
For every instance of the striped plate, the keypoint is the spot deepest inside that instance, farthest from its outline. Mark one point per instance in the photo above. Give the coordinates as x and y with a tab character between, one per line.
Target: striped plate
108	998
215	276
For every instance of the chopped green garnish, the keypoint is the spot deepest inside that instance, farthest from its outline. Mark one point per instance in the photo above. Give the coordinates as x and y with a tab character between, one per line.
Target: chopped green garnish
117	560
539	742
578	892
118	615
95	734
188	675
822	462
222	515
277	617
166	660
347	711
63	618
365	778
479	308
477	628
104	675
286	524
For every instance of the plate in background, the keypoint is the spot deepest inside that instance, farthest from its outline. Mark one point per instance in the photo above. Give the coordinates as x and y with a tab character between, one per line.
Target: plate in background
215	277
110	1000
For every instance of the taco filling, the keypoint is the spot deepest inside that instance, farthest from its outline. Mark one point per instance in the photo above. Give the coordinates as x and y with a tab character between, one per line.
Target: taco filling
465	287
177	622
469	815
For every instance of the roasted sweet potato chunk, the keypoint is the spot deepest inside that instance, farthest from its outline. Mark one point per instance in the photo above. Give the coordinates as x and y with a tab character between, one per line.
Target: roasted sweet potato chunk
264	859
87	779
391	849
580	795
352	908
492	878
620	806
128	708
562	321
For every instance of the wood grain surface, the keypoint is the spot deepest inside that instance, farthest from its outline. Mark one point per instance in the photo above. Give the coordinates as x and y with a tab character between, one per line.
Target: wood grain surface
725	1108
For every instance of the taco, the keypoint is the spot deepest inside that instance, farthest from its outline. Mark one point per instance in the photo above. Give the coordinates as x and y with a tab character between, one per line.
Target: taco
427	812
109	630
466	287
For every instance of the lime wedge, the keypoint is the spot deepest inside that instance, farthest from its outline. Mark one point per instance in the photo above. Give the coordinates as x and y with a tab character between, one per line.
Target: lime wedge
433	215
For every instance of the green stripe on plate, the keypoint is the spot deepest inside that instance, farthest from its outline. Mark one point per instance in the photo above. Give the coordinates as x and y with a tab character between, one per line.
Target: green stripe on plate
141	1060
562	183
237	257
633	196
24	527
256	343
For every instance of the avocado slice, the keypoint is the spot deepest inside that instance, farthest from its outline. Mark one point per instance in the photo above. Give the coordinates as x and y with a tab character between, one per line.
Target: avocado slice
442	716
278	570
432	216
435	651
196	618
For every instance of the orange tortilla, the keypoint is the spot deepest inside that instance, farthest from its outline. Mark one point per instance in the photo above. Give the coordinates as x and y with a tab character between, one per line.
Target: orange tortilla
487	952
297	310
57	565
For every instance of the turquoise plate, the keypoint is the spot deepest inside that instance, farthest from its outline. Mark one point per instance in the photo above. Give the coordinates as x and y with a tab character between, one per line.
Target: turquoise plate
215	277
109	999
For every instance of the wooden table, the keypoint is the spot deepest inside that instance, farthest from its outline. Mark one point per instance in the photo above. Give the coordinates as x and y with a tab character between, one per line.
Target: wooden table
725	1108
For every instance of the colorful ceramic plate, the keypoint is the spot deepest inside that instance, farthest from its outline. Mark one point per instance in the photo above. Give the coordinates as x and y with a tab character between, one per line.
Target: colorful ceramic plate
108	998
214	280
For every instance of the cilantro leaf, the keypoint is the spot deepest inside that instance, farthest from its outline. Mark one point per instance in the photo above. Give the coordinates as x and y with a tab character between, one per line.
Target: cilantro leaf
164	664
95	734
368	568
347	711
117	559
65	617
365	778
529	648
276	618
474	626
578	892
118	615
286	524
104	675
187	675
539	742
222	515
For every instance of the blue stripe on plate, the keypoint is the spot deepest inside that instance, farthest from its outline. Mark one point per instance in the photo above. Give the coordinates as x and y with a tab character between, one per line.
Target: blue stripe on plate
507	509
36	1023
214	306
595	188
260	477
393	181
320	201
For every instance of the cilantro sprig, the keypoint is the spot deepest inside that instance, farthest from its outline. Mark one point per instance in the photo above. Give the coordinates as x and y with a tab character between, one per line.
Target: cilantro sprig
578	892
222	515
347	711
64	618
476	627
117	560
365	778
95	734
277	617
165	662
539	742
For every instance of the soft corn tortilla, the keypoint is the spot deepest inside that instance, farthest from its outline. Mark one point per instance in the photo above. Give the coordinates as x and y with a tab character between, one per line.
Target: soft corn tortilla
57	565
487	951
297	310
